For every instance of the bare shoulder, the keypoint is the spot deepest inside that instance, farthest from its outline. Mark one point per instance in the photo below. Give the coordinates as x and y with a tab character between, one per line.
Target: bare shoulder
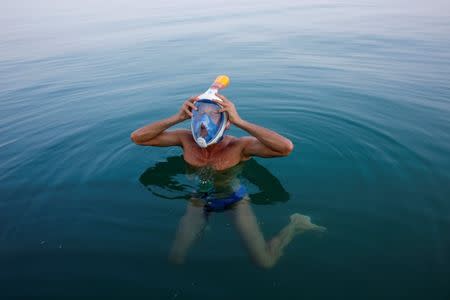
232	140
184	135
238	142
245	140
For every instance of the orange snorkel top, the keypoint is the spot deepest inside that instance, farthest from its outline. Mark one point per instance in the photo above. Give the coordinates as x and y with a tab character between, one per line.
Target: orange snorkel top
221	82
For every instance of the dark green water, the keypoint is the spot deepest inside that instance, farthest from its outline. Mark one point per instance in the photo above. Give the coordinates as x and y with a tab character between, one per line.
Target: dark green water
361	88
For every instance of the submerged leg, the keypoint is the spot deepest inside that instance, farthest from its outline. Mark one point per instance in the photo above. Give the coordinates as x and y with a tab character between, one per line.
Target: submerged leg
266	254
189	228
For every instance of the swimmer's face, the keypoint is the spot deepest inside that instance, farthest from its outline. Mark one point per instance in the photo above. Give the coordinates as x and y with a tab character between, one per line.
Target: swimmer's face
203	131
211	110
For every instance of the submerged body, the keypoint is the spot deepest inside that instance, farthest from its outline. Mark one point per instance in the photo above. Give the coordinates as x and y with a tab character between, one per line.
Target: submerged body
217	190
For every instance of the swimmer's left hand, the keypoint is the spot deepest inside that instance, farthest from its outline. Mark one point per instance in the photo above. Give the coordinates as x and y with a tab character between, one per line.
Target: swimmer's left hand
228	106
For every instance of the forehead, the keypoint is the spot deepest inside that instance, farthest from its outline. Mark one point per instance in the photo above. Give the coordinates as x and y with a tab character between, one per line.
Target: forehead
207	107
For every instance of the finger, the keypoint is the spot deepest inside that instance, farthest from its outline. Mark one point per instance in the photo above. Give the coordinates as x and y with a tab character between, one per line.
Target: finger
187	111
191	105
225	99
192	98
220	102
187	103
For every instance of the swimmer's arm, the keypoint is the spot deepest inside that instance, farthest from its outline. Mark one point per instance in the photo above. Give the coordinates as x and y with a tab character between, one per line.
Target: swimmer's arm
263	142
156	134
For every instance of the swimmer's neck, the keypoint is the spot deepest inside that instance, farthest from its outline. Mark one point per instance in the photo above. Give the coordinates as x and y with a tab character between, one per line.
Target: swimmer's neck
211	149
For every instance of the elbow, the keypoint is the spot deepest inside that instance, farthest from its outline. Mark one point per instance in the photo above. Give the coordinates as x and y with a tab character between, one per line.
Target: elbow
288	147
135	138
139	140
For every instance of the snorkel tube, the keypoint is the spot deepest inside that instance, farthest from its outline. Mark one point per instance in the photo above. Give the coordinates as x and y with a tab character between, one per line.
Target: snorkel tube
219	83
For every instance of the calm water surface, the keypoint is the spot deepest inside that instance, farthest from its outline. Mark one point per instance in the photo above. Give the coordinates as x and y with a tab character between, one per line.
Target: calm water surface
361	88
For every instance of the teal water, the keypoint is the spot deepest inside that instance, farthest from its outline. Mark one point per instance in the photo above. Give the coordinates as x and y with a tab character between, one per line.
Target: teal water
361	88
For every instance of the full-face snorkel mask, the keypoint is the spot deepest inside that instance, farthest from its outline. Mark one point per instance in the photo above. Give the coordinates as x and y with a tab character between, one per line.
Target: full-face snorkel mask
207	123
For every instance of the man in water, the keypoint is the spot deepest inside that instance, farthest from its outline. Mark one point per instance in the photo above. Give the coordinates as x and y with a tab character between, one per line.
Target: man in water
223	153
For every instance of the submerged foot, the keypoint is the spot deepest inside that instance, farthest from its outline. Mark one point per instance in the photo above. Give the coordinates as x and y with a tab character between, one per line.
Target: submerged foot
299	224
303	223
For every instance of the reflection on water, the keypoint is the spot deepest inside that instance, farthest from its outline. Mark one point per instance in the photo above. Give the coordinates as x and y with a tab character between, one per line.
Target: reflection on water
175	179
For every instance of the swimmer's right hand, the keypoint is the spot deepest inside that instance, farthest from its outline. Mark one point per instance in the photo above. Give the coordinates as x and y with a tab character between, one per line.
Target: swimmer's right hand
186	109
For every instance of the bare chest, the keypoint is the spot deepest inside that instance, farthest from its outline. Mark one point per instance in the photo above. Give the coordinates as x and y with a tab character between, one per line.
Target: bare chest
224	158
